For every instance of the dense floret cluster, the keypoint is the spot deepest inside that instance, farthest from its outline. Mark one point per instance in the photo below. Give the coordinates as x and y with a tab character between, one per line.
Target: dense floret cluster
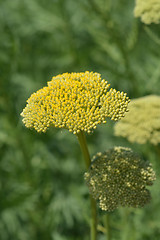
118	177
75	101
148	10
142	123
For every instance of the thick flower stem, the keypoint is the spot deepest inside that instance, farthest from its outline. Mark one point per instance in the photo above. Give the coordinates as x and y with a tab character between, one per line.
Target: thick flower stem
84	148
107	226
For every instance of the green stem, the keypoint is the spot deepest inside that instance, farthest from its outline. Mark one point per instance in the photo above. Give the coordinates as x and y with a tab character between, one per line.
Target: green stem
158	149
84	148
152	35
107	226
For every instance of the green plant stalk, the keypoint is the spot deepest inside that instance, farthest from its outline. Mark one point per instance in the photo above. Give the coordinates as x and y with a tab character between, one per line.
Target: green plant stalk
84	148
107	226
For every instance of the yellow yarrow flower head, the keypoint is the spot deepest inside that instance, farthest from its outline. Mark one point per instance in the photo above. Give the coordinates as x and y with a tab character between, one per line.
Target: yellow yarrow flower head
75	101
148	10
118	177
142	123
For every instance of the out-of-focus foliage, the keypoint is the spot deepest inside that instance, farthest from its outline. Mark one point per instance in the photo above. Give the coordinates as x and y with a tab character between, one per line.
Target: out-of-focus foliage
42	191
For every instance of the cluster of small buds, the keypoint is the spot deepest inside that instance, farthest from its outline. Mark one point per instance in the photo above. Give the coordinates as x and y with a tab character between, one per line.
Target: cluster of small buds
148	10
74	101
118	177
142	123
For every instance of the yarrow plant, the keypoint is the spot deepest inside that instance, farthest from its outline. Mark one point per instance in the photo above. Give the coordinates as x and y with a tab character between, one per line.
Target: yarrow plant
75	101
78	102
118	177
148	10
142	123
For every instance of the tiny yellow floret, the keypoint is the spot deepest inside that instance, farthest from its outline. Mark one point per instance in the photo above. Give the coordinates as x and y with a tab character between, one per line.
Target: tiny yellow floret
74	101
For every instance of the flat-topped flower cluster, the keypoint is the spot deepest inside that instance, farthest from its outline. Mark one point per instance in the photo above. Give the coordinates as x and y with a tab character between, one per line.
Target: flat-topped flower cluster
148	10
74	101
142	123
118	177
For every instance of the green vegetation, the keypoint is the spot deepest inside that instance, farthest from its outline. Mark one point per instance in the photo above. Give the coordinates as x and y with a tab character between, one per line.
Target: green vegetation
42	191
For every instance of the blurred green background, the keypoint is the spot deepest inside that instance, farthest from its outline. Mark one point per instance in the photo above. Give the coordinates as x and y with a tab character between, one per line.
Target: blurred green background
42	190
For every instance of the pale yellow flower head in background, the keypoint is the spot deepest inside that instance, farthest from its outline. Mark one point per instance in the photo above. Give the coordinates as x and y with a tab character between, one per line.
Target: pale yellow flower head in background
142	123
74	101
118	177
148	11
